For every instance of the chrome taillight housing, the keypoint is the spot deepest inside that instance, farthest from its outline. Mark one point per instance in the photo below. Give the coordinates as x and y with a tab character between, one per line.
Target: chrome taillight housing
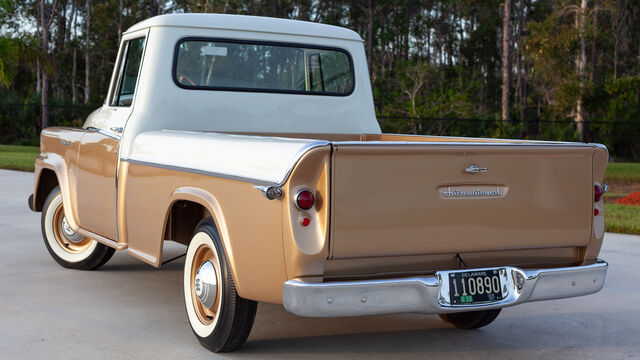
304	200
597	193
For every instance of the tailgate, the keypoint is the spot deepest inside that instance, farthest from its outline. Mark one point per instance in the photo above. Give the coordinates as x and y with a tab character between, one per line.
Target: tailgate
392	199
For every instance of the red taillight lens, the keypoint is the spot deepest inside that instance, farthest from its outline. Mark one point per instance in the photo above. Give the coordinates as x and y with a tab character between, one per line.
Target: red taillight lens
305	200
597	193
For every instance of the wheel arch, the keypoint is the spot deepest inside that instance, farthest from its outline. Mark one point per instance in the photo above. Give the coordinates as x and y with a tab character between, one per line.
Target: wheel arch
45	183
50	171
180	222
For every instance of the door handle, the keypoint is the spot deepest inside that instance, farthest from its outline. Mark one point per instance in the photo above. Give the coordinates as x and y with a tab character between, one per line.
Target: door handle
116	129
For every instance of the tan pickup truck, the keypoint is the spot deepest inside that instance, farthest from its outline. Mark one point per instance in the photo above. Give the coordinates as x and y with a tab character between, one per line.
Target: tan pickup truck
254	142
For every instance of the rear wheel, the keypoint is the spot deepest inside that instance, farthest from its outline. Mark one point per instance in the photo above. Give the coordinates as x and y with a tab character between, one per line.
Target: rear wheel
67	247
219	317
471	319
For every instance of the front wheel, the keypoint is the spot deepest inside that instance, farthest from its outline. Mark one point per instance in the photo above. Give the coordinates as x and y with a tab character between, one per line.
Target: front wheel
219	317
471	319
67	247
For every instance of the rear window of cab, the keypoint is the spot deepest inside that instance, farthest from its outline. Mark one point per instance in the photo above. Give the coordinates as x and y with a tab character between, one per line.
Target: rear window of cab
233	65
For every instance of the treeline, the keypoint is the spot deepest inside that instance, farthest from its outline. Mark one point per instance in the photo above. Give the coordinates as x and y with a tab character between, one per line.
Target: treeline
553	69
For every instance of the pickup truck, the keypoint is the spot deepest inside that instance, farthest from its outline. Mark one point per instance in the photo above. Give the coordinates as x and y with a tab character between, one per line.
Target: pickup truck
254	142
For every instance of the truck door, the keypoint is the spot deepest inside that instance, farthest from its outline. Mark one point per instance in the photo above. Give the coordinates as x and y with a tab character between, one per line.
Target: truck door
98	154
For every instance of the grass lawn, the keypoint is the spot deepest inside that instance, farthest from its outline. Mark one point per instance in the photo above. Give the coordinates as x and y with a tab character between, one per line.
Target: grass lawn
623	173
623	219
15	157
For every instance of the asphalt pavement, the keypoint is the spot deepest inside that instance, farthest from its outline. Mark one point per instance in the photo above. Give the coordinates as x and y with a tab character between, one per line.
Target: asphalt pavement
130	310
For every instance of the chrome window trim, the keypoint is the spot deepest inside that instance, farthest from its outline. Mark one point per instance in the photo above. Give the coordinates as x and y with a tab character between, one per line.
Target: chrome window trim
267	43
122	64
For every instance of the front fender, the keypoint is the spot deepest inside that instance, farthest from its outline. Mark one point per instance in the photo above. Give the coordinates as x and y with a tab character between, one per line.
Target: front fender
59	153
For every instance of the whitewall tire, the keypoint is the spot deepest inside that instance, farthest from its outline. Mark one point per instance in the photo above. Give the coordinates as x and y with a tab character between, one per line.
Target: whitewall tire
219	317
68	248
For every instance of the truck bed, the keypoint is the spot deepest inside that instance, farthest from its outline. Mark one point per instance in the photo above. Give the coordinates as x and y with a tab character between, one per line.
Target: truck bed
402	204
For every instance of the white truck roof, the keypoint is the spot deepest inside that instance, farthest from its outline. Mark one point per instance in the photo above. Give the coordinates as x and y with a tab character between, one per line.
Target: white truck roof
248	23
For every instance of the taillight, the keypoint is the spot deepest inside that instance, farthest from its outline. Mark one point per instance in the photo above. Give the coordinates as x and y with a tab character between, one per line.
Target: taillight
597	193
305	200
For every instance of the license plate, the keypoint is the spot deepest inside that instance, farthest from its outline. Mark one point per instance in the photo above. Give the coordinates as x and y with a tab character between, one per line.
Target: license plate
470	287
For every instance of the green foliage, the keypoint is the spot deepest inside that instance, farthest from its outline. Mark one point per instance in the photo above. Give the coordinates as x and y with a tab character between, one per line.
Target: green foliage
8	59
618	114
18	157
623	172
17	114
623	219
623	99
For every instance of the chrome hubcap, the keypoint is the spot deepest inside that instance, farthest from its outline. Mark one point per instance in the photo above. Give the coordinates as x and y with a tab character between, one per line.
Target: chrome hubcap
71	235
206	284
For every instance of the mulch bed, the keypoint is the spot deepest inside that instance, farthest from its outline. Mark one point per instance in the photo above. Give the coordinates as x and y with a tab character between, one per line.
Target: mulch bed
631	199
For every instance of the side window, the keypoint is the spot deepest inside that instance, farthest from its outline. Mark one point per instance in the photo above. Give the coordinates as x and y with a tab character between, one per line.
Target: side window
330	72
128	76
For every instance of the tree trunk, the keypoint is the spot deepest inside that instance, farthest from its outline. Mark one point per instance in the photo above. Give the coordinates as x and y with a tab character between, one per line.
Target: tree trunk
74	89
45	23
87	65
120	8
61	25
520	84
506	63
592	74
152	8
71	22
74	68
580	66
38	76
370	37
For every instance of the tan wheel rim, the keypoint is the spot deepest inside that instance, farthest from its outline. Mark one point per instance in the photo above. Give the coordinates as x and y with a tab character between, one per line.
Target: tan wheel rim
73	247
205	314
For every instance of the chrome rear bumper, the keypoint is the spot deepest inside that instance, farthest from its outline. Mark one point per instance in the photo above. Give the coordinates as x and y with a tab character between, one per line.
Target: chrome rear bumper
430	294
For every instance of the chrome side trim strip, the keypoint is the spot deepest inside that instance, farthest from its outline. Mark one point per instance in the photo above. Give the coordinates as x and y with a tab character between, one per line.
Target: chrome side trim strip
200	172
510	141
101	239
105	133
143	256
298	156
270	192
430	294
466	143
